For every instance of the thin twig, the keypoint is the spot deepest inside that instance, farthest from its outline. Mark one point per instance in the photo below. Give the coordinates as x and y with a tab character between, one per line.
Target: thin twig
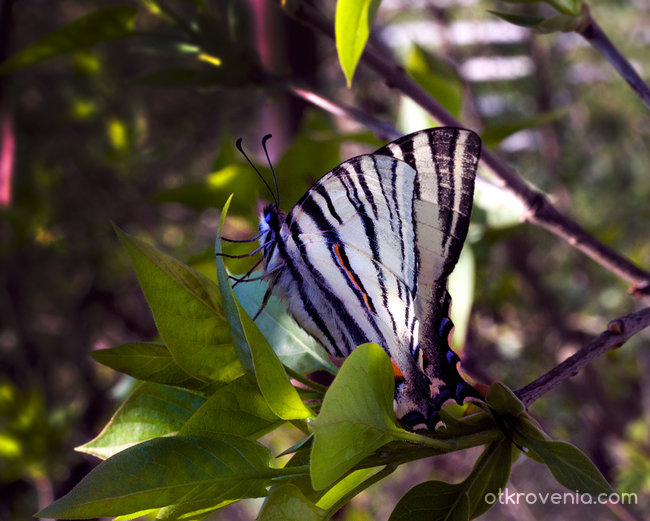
383	130
593	33
618	332
540	211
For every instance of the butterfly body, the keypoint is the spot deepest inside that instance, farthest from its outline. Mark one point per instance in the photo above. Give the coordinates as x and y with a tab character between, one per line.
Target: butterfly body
365	254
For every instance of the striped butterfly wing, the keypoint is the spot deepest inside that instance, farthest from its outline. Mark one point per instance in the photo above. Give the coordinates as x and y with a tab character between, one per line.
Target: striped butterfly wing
446	160
363	257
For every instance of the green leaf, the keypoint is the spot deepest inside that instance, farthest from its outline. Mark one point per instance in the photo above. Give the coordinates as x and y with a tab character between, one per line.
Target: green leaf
238	409
344	486
187	309
180	470
149	361
295	348
191	511
433	501
572	8
494	134
102	25
456	424
522	20
437	78
229	303
144	515
570	466
489	475
356	417
503	400
287	503
281	396
437	500
352	24
152	410
561	22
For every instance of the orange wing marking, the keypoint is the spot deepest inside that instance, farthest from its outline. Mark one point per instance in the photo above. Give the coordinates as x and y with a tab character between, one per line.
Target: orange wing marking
351	274
397	373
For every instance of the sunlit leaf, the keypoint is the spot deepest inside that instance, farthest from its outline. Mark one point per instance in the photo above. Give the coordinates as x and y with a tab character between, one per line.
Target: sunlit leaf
352	24
356	417
281	396
187	310
152	410
144	515
238	408
503	211
343	487
110	23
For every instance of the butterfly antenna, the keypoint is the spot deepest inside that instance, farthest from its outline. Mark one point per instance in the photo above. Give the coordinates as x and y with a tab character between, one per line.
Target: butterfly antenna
252	239
239	147
275	182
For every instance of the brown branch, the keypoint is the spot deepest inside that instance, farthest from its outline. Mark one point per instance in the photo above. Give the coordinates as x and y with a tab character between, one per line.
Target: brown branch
618	332
594	34
540	211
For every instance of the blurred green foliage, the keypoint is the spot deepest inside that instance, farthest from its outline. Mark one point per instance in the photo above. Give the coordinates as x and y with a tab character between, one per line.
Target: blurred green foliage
141	131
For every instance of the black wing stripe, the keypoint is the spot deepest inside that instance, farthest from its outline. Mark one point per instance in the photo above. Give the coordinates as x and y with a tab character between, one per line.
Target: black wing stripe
398	215
371	233
355	332
446	192
320	190
364	186
382	181
313	210
306	302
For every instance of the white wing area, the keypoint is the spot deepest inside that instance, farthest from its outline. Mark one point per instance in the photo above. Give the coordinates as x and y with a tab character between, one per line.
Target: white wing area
357	251
446	166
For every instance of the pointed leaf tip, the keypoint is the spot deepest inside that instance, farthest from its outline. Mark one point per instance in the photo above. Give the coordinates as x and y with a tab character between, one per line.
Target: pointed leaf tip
352	24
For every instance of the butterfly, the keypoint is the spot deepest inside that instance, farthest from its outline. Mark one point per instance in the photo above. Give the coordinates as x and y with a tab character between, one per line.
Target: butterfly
365	254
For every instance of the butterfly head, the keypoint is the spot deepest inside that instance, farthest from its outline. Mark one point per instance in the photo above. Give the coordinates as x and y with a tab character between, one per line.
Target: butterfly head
271	220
